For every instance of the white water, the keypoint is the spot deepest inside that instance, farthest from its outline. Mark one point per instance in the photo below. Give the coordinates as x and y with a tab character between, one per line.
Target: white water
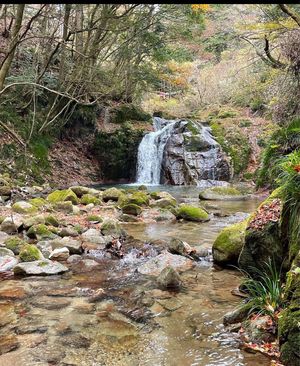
151	150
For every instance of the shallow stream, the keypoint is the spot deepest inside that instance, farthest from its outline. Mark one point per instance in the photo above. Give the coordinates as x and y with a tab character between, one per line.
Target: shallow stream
111	315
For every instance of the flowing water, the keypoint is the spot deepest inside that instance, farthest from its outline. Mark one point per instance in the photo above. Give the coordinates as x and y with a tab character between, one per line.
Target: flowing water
99	315
150	152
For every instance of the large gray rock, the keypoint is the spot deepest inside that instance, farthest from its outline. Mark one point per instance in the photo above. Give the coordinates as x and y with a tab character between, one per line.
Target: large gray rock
42	267
73	245
155	265
93	236
191	154
6	251
7	263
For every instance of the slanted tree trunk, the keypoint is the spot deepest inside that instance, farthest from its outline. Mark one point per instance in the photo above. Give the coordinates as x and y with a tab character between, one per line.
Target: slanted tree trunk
4	69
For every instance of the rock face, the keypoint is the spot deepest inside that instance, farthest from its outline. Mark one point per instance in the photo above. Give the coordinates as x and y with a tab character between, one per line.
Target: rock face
191	154
181	152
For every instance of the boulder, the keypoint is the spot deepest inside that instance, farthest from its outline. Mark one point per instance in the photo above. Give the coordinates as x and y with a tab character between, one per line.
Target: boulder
131	209
30	253
191	213
42	267
40	231
7	263
6	252
93	236
8	227
111	227
62	196
155	265
59	254
169	278
229	243
23	207
177	246
33	220
38	202
15	244
74	246
66	207
222	194
68	231
128	218
111	194
80	190
87	198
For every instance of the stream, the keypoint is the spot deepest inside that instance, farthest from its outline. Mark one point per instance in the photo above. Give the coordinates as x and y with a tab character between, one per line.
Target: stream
111	315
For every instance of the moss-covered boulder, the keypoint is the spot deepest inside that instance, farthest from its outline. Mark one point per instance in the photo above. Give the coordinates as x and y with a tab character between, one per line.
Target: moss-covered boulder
66	207
263	239
191	213
111	227
95	218
40	231
62	196
80	190
87	198
111	194
139	198
229	243
14	243
222	194
289	319
128	218
51	220
23	207
33	220
30	253
38	202
131	209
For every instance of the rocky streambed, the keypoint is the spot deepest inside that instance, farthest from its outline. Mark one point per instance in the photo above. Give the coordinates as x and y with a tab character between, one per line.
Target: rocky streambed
117	277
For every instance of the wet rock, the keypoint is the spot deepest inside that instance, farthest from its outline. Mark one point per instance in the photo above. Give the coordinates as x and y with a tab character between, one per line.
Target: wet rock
73	245
51	302
94	236
229	243
7	263
155	265
7	314
235	316
6	252
12	292
191	213
75	258
169	278
177	246
23	207
75	340
60	254
49	353
31	340
89	264
8	342
3	237
170	304
31	328
258	330
41	267
68	231
128	218
222	194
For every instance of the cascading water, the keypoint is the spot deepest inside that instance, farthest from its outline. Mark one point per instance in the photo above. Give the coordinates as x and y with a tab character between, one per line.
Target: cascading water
151	150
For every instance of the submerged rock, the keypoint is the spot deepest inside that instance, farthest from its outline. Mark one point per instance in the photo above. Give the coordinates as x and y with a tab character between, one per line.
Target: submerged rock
222	194
155	265
169	278
41	267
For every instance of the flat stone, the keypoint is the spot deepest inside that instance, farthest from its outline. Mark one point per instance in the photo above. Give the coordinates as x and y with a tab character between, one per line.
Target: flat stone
73	245
41	267
7	262
12	292
7	314
155	265
51	302
60	254
31	328
8	342
93	236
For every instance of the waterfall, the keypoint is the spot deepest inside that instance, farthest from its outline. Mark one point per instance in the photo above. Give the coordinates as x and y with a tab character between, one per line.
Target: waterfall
151	150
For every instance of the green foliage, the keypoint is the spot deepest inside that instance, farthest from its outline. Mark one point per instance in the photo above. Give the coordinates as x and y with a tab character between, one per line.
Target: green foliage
265	291
282	142
118	151
129	112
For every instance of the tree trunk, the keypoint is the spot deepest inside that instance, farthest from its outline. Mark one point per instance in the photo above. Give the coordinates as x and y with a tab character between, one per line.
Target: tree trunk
13	45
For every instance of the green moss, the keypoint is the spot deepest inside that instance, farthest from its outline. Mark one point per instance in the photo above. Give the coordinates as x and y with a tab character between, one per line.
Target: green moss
155	195
226	191
112	194
30	253
78	228
128	112
229	243
192	128
87	198
39	231
15	244
66	207
139	198
131	209
38	202
23	207
51	220
142	188
94	218
63	195
220	193
191	213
